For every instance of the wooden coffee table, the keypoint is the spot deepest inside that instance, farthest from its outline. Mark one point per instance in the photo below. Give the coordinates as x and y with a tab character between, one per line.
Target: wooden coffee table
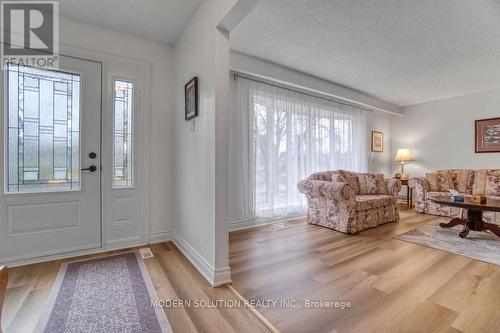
474	219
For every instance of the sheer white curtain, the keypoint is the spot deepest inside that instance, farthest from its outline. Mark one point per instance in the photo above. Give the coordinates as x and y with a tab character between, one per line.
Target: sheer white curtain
279	136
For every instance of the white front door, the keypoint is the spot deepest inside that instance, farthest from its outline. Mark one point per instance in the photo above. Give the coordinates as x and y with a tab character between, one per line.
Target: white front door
50	200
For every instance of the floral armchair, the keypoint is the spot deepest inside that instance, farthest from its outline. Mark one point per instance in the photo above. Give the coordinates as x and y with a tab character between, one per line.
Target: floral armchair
350	202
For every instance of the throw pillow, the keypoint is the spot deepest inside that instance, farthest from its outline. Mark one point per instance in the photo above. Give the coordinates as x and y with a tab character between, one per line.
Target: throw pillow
321	175
351	179
440	181
492	183
371	183
462	179
338	178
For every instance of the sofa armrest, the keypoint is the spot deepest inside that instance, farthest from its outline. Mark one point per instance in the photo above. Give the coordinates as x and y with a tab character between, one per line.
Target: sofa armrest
420	183
331	190
393	186
421	186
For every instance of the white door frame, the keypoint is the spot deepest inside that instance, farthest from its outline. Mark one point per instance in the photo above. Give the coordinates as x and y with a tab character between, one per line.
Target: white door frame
131	231
111	65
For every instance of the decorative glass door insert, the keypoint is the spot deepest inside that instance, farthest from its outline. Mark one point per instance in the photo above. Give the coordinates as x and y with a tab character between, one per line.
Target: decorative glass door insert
43	134
123	134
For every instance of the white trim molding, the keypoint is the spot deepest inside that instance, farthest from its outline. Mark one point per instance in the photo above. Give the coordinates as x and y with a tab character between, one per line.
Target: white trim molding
160	237
249	224
124	243
216	277
51	255
119	244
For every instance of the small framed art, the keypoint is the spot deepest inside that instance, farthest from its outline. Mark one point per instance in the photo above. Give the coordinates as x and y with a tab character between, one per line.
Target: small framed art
377	141
488	135
191	99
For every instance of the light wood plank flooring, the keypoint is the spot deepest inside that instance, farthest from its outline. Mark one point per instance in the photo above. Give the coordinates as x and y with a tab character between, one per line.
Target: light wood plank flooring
394	286
172	275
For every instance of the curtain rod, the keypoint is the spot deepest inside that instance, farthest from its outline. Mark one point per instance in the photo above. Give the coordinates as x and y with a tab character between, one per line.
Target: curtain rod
331	99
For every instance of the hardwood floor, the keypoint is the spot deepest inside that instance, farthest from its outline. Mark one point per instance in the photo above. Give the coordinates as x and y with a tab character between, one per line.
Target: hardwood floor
393	286
173	277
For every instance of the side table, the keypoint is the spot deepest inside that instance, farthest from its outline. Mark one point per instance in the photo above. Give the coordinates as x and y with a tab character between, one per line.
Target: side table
409	192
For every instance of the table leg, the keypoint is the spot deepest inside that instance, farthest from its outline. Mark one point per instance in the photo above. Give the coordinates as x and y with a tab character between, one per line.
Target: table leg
407	195
465	231
474	222
411	196
492	227
453	222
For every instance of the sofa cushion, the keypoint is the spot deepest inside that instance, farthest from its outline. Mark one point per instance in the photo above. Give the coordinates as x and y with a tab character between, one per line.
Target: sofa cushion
443	210
487	182
321	175
371	183
440	181
337	177
351	179
462	179
364	202
492	217
431	194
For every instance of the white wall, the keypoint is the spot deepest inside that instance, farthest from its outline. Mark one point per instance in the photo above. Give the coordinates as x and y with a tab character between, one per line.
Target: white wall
160	58
440	134
261	68
201	154
380	162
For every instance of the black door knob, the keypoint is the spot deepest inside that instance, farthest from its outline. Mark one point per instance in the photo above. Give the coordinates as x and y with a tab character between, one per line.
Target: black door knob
92	155
91	168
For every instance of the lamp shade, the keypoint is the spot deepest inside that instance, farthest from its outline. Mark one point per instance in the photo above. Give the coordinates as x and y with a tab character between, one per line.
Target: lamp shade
403	155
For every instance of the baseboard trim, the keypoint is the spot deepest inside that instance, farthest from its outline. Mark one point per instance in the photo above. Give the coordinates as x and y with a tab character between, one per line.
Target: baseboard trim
222	276
123	243
85	250
51	255
160	237
243	225
216	277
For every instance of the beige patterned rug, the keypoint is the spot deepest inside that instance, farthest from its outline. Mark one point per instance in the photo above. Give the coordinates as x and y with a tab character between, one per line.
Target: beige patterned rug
105	294
483	246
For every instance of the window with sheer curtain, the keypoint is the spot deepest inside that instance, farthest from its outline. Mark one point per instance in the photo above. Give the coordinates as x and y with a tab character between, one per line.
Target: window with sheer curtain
279	136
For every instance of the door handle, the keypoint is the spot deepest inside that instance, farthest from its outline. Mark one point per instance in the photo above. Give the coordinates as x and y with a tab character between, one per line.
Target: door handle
91	168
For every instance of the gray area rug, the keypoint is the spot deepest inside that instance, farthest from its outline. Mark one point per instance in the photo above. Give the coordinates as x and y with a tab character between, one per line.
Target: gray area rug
483	246
106	294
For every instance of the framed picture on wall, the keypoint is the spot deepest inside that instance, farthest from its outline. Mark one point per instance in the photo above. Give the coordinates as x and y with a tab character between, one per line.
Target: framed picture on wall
377	141
488	135
191	99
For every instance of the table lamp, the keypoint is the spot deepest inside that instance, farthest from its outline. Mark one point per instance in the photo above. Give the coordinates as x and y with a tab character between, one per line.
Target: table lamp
403	156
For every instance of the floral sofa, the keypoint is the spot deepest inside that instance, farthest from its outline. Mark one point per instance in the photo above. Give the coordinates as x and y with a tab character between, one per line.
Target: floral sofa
465	181
350	202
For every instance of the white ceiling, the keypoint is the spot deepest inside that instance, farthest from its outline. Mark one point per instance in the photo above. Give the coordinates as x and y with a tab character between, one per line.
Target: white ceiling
159	20
403	51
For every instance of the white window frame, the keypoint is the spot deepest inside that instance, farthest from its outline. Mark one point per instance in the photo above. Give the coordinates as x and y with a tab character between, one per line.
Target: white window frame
134	107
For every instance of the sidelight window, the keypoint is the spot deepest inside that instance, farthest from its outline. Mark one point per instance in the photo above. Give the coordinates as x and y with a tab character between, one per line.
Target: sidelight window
123	133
